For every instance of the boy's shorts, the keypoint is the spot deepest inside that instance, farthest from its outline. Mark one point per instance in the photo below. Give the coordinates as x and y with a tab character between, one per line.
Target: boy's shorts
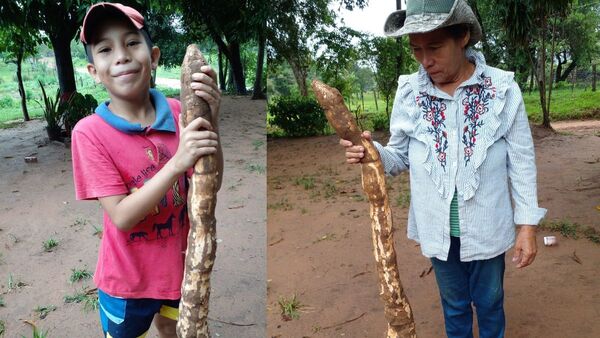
131	318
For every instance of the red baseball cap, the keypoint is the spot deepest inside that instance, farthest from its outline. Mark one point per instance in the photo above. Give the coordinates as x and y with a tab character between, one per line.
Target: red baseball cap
95	12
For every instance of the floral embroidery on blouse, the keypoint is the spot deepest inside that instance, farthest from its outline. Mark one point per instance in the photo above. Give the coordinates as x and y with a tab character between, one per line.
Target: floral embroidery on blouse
433	110
476	102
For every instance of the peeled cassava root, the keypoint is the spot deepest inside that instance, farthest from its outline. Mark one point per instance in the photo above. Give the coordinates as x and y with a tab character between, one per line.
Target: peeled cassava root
398	312
202	198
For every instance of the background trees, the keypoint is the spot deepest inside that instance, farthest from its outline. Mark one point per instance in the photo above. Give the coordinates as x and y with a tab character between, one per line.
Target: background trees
545	43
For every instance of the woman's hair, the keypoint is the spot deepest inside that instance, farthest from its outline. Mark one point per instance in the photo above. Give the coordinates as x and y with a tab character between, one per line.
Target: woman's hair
457	32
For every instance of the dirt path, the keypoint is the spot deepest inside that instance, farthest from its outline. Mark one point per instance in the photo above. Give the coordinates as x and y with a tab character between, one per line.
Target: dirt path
37	203
319	245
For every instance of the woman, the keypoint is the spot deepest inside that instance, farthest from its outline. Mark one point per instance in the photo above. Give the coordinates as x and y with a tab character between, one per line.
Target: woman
461	129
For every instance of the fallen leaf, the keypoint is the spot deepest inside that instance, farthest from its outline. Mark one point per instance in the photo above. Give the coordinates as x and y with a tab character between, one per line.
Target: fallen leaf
575	258
426	272
277	241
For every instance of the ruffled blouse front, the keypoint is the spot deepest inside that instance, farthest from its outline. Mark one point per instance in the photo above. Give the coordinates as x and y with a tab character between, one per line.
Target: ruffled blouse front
477	142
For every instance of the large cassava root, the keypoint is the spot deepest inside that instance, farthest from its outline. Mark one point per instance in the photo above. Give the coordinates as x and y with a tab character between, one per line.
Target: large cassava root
202	198
398	312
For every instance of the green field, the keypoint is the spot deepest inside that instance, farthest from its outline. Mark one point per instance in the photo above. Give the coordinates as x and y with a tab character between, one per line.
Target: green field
580	103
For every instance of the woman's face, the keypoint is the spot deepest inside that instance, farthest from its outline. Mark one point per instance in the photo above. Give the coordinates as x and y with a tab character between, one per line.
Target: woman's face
441	55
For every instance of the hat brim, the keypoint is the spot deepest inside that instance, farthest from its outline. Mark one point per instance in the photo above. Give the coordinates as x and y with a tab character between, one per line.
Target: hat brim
397	24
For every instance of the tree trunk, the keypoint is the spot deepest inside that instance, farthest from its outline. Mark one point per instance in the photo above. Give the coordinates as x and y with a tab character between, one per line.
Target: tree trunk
22	92
531	81
257	93
362	98
559	63
567	72
398	312
64	66
594	77
222	72
230	85
542	77
375	97
300	76
202	199
551	65
237	69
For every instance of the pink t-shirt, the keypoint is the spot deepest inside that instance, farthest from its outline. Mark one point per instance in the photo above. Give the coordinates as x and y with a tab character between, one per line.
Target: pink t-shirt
112	156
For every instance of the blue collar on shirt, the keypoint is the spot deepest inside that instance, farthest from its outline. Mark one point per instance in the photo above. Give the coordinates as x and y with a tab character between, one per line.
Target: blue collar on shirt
164	118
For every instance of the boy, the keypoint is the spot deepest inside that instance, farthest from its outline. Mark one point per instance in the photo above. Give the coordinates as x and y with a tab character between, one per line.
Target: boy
132	155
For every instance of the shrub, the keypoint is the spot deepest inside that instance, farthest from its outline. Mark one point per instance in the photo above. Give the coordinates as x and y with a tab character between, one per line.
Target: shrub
298	116
78	107
6	102
380	121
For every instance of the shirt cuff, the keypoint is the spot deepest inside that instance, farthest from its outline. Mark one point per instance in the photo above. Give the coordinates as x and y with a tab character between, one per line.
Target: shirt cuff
387	163
530	216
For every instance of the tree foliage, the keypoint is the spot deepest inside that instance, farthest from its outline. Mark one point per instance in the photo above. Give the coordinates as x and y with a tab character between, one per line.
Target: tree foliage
229	24
18	40
293	29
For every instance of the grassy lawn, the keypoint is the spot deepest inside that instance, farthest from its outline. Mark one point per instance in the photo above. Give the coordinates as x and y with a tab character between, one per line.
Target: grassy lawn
566	104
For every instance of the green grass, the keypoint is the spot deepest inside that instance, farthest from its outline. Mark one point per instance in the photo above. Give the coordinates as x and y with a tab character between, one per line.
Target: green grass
36	332
79	275
14	284
257	144
89	299
50	244
289	308
565	105
308	182
571	229
97	231
2	328
256	168
43	311
330	189
403	199
281	205
169	72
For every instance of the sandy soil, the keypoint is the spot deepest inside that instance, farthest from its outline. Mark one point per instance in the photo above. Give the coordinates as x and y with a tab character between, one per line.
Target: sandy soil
37	203
319	244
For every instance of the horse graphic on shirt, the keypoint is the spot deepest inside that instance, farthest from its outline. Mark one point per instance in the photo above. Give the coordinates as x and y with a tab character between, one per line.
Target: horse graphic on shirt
158	227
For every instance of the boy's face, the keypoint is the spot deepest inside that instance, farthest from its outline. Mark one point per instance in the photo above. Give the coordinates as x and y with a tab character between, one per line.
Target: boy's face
123	62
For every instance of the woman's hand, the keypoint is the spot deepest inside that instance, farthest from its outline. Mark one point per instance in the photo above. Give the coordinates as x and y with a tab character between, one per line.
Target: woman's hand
355	153
196	140
205	86
525	246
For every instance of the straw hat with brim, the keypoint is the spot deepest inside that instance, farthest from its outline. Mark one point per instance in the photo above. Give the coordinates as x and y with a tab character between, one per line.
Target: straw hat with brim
422	16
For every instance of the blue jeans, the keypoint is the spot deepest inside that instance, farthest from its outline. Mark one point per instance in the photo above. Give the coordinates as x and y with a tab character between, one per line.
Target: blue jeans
476	282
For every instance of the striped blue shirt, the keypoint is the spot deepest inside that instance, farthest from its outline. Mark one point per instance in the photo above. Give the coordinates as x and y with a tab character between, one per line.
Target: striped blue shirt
477	142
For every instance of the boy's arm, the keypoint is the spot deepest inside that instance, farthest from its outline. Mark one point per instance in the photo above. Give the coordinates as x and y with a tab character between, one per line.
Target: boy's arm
126	211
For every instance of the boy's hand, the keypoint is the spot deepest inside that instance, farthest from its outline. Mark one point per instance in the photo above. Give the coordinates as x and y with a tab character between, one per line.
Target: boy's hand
194	143
205	86
354	153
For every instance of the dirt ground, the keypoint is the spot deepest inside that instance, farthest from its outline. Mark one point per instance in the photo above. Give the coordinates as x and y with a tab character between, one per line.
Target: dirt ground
37	203
319	244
